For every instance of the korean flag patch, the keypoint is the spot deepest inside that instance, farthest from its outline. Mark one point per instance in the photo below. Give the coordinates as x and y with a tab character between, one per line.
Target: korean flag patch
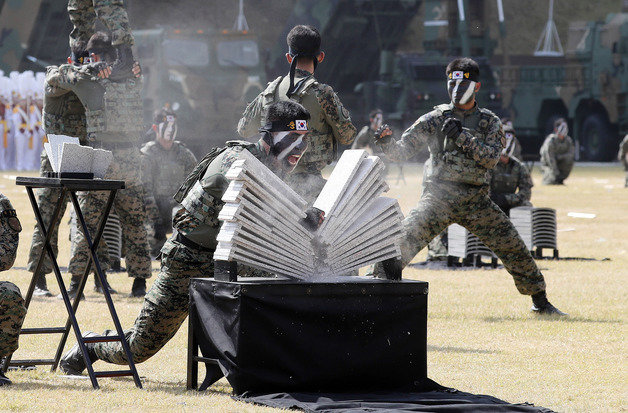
457	74
301	125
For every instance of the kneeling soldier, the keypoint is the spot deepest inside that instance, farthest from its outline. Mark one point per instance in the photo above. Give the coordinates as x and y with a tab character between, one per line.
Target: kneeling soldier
189	251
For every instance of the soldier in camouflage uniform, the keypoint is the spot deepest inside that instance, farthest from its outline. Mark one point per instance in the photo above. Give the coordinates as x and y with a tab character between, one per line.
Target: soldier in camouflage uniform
189	251
330	125
511	183
63	114
12	310
464	142
168	162
114	122
111	13
557	154
511	136
623	157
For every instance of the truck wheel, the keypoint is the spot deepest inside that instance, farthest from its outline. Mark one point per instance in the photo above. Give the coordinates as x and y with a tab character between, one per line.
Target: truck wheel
596	139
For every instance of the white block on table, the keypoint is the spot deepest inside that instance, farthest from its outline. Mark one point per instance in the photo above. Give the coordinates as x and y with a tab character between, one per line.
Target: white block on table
100	163
76	158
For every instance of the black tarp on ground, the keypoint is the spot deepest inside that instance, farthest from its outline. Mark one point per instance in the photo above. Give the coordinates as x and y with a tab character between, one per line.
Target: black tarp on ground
438	401
347	345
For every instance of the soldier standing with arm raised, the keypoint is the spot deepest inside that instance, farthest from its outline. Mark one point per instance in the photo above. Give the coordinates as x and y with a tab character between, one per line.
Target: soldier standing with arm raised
83	15
330	123
62	114
464	142
113	113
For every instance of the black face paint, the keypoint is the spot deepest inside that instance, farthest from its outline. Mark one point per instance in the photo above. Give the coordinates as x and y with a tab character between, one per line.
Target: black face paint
287	148
461	86
461	91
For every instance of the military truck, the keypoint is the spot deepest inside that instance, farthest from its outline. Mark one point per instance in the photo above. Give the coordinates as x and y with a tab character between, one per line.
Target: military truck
348	68
588	87
403	85
207	77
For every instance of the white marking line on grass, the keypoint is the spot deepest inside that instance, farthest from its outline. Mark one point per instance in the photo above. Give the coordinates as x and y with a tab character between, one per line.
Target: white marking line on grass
581	215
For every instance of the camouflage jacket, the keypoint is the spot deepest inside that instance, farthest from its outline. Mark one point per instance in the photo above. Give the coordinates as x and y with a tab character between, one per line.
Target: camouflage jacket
90	89
63	113
166	169
556	150
330	122
202	224
506	178
9	233
474	152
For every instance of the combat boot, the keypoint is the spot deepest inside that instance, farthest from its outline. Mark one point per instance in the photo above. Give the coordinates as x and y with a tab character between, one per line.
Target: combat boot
41	287
122	68
541	305
139	288
4	380
73	362
73	290
98	286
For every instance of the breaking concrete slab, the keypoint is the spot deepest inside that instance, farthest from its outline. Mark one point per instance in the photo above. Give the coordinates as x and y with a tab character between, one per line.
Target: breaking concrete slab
263	220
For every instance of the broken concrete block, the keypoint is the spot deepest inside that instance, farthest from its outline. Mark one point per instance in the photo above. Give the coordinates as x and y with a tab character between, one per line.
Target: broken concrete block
262	220
75	158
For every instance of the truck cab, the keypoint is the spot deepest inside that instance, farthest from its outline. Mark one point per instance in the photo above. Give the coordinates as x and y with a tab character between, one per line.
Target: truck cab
207	77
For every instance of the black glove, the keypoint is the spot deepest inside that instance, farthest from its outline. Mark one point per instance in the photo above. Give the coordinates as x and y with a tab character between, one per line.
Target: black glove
500	200
314	218
378	134
452	128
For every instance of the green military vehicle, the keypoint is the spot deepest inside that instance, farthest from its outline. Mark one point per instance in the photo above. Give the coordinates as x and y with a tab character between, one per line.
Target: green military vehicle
207	77
588	86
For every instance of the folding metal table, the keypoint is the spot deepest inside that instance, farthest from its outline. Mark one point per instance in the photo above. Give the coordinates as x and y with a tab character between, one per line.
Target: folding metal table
70	187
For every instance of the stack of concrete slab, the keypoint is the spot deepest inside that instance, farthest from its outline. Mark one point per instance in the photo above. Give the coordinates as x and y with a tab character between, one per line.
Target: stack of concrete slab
462	243
537	226
67	155
263	220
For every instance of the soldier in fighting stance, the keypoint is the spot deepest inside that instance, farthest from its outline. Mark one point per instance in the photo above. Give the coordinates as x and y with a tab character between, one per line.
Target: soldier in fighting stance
464	142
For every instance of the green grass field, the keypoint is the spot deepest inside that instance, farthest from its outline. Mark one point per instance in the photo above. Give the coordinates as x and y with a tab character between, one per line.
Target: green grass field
482	337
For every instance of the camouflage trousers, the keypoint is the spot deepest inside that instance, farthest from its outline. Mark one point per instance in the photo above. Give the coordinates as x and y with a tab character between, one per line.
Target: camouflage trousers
46	200
445	203
83	15
306	184
165	305
128	205
12	313
9	236
553	176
